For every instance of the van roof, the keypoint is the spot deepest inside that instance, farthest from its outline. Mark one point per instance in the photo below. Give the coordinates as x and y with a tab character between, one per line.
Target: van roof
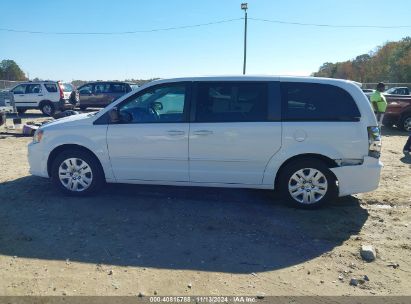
256	78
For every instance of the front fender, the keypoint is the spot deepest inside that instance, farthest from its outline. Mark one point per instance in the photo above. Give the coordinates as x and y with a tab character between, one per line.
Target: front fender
93	140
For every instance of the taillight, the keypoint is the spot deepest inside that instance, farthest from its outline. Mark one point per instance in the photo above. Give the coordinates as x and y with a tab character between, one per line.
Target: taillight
61	91
374	142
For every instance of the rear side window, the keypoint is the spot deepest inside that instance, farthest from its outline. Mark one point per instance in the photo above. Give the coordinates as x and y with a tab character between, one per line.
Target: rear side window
231	102
118	88
50	87
33	89
317	102
101	88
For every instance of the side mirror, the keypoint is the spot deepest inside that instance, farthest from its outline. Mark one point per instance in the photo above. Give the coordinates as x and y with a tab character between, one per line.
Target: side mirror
114	115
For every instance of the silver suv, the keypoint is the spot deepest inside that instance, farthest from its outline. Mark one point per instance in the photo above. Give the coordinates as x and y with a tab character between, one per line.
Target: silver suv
47	96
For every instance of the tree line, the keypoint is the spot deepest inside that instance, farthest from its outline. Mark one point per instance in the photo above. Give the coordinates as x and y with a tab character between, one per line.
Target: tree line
9	70
390	62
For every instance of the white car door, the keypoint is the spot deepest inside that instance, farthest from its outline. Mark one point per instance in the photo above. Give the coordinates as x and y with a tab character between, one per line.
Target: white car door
150	142
236	130
34	95
19	95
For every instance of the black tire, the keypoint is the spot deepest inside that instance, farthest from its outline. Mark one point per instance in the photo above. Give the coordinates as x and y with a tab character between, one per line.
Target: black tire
285	178
47	108
83	108
96	172
404	119
21	111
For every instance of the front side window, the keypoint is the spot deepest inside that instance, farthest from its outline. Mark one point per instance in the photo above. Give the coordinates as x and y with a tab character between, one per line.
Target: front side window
33	89
20	89
87	89
231	102
161	104
317	102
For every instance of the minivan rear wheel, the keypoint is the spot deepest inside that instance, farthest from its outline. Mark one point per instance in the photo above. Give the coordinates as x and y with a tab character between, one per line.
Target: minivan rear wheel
77	172
307	184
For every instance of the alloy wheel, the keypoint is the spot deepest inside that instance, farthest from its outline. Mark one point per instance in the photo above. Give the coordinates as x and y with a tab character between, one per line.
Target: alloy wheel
75	174
308	186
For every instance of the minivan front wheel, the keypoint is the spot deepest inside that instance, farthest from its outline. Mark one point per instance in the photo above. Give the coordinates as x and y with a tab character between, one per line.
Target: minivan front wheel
307	184
77	172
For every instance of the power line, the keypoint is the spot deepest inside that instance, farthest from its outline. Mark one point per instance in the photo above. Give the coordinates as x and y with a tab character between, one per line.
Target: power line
121	33
201	25
330	25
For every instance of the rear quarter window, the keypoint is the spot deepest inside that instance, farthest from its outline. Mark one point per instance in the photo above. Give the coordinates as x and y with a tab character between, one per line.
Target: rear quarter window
317	102
51	88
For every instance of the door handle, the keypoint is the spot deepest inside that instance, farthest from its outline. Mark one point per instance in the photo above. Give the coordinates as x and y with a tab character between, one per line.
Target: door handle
175	132
203	132
40	95
21	95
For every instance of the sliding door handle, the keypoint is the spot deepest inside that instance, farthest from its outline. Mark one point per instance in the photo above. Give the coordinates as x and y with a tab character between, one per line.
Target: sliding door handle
175	132
203	132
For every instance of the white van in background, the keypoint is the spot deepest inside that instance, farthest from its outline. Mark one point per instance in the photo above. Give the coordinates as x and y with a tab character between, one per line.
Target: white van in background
312	139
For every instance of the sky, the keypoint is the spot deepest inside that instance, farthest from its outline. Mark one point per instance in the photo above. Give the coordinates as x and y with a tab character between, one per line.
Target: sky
217	49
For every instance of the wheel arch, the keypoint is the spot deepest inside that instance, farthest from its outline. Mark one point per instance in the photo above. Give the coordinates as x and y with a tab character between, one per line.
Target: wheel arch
44	101
57	150
330	163
404	115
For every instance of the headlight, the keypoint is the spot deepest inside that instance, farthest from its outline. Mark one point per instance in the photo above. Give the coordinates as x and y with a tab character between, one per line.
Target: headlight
38	135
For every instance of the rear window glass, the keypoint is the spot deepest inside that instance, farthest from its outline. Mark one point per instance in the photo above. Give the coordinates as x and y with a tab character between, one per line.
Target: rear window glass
235	102
317	102
50	87
67	87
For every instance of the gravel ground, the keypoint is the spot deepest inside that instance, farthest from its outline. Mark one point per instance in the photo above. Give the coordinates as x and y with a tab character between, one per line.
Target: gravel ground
132	239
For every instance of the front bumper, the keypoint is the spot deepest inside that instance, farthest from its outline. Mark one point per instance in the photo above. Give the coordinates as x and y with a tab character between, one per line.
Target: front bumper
37	160
359	178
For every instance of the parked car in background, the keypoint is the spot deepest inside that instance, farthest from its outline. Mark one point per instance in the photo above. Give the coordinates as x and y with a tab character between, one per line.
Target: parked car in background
71	93
398	91
368	92
313	139
100	94
398	111
47	96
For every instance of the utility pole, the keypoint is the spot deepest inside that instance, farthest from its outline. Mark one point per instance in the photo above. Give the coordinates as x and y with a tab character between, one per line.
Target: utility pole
244	7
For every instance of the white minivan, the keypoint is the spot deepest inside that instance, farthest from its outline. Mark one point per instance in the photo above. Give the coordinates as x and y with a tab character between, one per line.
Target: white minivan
313	139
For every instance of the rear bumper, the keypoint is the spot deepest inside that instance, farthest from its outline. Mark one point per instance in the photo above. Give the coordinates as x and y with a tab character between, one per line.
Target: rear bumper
359	178
64	104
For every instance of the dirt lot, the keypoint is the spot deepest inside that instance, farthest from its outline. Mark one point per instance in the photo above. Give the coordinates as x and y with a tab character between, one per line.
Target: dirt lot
196	241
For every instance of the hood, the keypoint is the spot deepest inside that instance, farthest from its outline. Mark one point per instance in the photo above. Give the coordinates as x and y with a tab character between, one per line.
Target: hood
78	119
